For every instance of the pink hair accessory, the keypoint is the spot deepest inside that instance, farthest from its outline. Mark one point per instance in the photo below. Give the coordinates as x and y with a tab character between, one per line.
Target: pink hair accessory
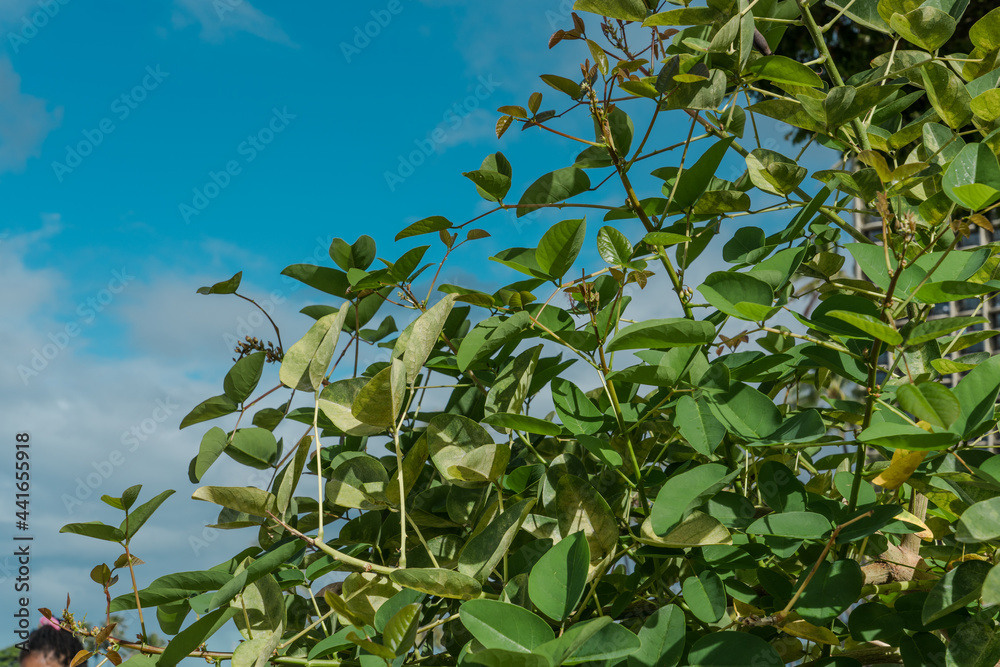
54	622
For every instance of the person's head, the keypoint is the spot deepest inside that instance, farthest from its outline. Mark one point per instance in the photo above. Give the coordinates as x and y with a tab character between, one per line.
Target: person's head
50	646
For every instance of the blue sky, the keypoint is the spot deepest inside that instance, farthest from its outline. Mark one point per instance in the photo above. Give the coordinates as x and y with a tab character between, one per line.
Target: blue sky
147	149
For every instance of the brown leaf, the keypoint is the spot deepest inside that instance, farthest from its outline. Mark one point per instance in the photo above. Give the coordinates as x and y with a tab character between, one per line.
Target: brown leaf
503	124
113	657
556	37
981	221
578	23
105	632
80	657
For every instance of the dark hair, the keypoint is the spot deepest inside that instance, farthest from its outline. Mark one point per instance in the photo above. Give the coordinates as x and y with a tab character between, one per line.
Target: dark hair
61	645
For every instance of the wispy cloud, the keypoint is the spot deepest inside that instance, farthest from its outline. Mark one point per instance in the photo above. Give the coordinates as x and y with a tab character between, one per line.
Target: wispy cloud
25	121
220	19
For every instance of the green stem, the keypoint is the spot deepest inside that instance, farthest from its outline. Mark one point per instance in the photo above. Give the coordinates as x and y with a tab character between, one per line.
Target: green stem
820	42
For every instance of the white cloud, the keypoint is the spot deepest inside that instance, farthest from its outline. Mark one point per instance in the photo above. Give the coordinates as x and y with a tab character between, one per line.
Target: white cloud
25	121
220	19
102	419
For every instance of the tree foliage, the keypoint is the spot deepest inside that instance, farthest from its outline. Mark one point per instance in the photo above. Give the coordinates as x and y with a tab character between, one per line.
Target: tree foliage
817	493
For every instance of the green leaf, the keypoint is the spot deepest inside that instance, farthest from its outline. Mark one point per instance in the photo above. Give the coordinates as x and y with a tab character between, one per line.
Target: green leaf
336	402
212	445
835	587
869	325
733	649
495	657
611	642
401	630
439	582
663	334
380	401
358	482
193	636
559	650
684	493
627	10
492	185
137	517
862	12
563	85
739	295
575	410
613	247
747	412
933	329
986	105
980	523
783	70
693	182
698	425
553	187
773	172
893	435
254	447
932	402
322	278
947	94
499	625
800	525
973	178
991	587
662	638
581	507
955	590
358	255
210	408
225	287
524	423
560	246
96	530
705	596
927	27
511	387
488	547
249	499
490	335
985	33
242	378
557	581
435	223
706	95
277	556
685	16
977	394
665	238
698	530
416	341
305	364
746	247
779	487
976	643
